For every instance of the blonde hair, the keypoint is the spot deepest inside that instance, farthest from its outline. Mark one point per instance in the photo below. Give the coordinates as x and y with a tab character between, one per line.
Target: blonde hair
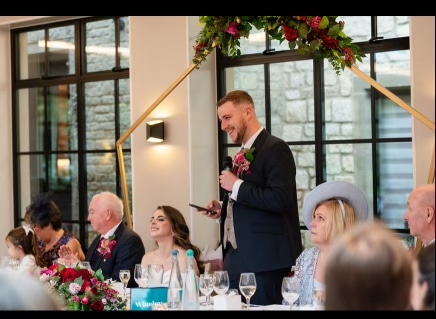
341	219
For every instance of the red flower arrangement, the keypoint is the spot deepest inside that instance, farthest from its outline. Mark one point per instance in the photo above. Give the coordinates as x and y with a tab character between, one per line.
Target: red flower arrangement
241	162
80	289
106	247
321	36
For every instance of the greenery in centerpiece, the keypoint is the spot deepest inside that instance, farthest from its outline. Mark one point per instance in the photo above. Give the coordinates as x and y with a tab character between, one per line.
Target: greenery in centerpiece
321	36
81	289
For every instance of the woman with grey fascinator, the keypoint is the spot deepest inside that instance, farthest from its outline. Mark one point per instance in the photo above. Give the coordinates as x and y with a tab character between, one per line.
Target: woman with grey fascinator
328	210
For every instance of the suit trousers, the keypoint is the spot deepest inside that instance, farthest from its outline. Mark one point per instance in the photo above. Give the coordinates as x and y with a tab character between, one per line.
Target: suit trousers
269	283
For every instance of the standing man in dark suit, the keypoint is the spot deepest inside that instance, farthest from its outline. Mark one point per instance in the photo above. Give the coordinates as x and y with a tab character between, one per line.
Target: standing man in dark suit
117	246
263	198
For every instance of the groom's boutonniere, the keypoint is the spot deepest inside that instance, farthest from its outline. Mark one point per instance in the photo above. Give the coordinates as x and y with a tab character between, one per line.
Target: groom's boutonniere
106	247
241	162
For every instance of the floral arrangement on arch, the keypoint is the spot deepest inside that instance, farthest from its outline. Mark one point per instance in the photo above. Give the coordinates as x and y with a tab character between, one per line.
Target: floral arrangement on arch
80	289
321	36
242	160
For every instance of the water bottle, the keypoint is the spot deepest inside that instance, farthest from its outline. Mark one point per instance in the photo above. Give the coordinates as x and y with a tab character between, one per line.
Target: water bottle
175	286
190	300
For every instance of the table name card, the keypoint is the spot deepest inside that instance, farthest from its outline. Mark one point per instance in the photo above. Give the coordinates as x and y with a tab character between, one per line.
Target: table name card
146	298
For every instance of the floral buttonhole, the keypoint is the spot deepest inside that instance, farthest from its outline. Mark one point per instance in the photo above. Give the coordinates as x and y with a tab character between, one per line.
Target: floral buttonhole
242	160
106	247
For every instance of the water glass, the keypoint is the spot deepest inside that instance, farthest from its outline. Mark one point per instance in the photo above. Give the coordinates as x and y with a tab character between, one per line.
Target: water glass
290	289
305	303
84	265
141	275
66	262
318	298
155	275
221	282
206	286
7	262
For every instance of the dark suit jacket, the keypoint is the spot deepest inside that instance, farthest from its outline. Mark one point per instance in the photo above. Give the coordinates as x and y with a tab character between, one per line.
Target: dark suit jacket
128	251
265	215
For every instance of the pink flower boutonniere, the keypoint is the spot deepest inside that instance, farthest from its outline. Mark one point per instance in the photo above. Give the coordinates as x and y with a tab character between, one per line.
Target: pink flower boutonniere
241	162
106	247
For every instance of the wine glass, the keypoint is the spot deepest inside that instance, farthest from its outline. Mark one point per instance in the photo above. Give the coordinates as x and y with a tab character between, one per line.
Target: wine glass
125	277
318	298
141	275
290	289
206	286
221	283
247	286
84	265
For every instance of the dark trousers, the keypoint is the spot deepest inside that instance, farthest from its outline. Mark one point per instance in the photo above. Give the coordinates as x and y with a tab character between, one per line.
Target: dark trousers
269	284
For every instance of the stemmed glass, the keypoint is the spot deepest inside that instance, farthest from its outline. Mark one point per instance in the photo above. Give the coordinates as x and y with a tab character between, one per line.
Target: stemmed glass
155	274
247	286
84	265
206	285
221	283
125	277
141	275
290	289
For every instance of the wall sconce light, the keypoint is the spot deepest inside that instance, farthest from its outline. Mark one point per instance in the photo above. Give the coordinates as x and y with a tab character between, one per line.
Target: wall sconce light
155	131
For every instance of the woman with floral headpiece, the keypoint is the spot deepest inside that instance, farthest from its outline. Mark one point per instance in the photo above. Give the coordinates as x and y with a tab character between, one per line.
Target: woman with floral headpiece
22	245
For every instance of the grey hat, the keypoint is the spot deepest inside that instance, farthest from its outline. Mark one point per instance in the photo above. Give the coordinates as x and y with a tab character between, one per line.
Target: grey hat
337	190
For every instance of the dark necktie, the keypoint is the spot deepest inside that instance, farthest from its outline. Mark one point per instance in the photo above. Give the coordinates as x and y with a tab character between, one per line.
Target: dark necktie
96	255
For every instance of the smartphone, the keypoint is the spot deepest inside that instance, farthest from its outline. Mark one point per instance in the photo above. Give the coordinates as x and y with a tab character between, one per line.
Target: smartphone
210	211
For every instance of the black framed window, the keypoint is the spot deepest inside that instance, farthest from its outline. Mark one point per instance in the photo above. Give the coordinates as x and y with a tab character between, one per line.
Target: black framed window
338	127
70	102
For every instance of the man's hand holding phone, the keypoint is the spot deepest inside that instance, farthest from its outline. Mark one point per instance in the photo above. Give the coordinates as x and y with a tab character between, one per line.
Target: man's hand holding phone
199	208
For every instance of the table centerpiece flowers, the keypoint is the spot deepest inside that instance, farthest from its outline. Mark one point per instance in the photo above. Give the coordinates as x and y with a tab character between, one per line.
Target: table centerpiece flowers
81	289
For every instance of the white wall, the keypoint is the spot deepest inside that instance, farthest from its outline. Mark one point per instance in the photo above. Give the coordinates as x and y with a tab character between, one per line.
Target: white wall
422	63
185	167
6	193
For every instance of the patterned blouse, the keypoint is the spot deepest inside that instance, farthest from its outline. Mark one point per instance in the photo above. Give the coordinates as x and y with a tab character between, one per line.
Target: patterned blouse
305	272
52	254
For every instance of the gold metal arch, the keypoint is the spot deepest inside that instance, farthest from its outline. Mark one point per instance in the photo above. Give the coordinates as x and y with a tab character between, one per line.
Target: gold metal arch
192	67
129	132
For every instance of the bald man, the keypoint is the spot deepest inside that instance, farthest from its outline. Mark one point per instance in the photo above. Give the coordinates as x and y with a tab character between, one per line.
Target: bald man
420	214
